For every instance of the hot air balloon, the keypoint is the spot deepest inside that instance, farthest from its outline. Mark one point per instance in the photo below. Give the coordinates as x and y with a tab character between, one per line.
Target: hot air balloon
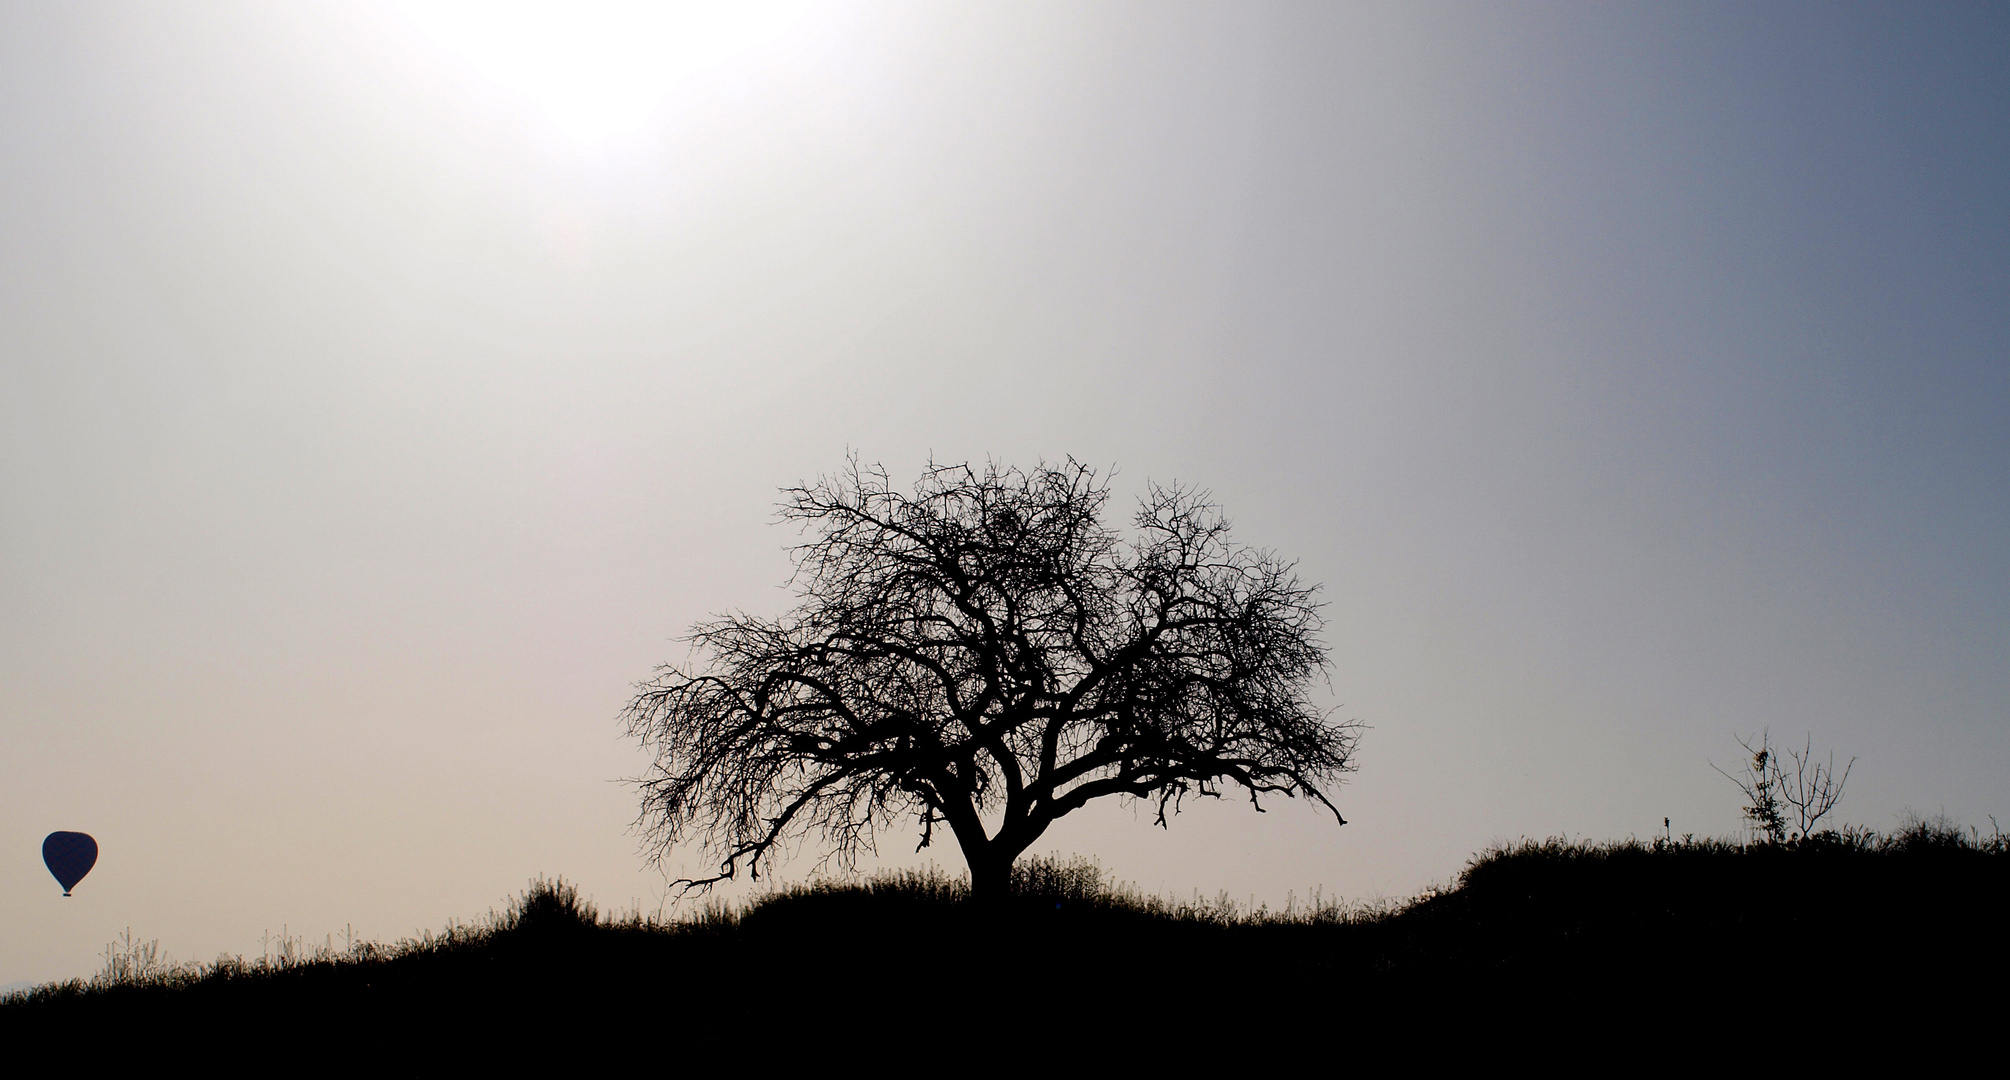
70	856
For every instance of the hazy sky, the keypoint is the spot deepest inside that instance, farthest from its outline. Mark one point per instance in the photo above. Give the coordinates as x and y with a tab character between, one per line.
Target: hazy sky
379	401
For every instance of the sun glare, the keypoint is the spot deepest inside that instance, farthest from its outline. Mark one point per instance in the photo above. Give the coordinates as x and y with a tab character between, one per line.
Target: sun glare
597	67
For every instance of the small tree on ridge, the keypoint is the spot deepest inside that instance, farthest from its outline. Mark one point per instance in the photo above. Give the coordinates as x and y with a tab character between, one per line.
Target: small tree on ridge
1808	793
985	656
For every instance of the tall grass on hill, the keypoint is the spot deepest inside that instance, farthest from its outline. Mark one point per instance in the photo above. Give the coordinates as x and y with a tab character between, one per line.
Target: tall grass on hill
1078	888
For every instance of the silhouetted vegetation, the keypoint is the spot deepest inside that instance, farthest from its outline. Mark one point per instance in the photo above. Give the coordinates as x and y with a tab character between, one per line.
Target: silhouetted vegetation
1563	930
985	657
1773	795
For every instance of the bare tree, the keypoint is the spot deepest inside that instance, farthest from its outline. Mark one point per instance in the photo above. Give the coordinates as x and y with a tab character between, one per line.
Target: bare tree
1815	787
986	656
1772	794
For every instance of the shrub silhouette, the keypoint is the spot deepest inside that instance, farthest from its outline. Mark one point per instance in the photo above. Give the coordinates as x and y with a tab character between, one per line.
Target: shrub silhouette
1782	804
546	908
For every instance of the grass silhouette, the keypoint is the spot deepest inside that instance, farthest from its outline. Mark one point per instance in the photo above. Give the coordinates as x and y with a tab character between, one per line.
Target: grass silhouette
1593	932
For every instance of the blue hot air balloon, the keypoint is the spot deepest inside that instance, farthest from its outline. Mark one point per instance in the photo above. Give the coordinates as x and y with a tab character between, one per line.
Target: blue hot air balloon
70	856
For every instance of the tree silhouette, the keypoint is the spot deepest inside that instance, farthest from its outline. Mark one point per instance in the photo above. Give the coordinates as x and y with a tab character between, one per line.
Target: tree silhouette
986	655
1810	792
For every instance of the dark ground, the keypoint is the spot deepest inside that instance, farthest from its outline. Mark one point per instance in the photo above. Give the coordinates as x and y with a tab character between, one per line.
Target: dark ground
1839	945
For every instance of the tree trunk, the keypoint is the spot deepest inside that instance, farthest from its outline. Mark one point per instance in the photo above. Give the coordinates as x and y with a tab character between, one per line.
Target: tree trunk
990	879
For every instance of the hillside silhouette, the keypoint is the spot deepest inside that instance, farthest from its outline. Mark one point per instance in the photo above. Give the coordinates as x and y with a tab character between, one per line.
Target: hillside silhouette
1598	934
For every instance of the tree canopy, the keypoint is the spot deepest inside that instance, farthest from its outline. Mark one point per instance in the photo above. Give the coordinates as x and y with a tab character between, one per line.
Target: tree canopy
985	655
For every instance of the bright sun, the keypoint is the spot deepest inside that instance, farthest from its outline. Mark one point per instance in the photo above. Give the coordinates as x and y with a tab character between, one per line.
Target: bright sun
597	67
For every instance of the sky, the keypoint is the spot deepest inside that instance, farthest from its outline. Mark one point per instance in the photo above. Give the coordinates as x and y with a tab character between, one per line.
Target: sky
383	393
